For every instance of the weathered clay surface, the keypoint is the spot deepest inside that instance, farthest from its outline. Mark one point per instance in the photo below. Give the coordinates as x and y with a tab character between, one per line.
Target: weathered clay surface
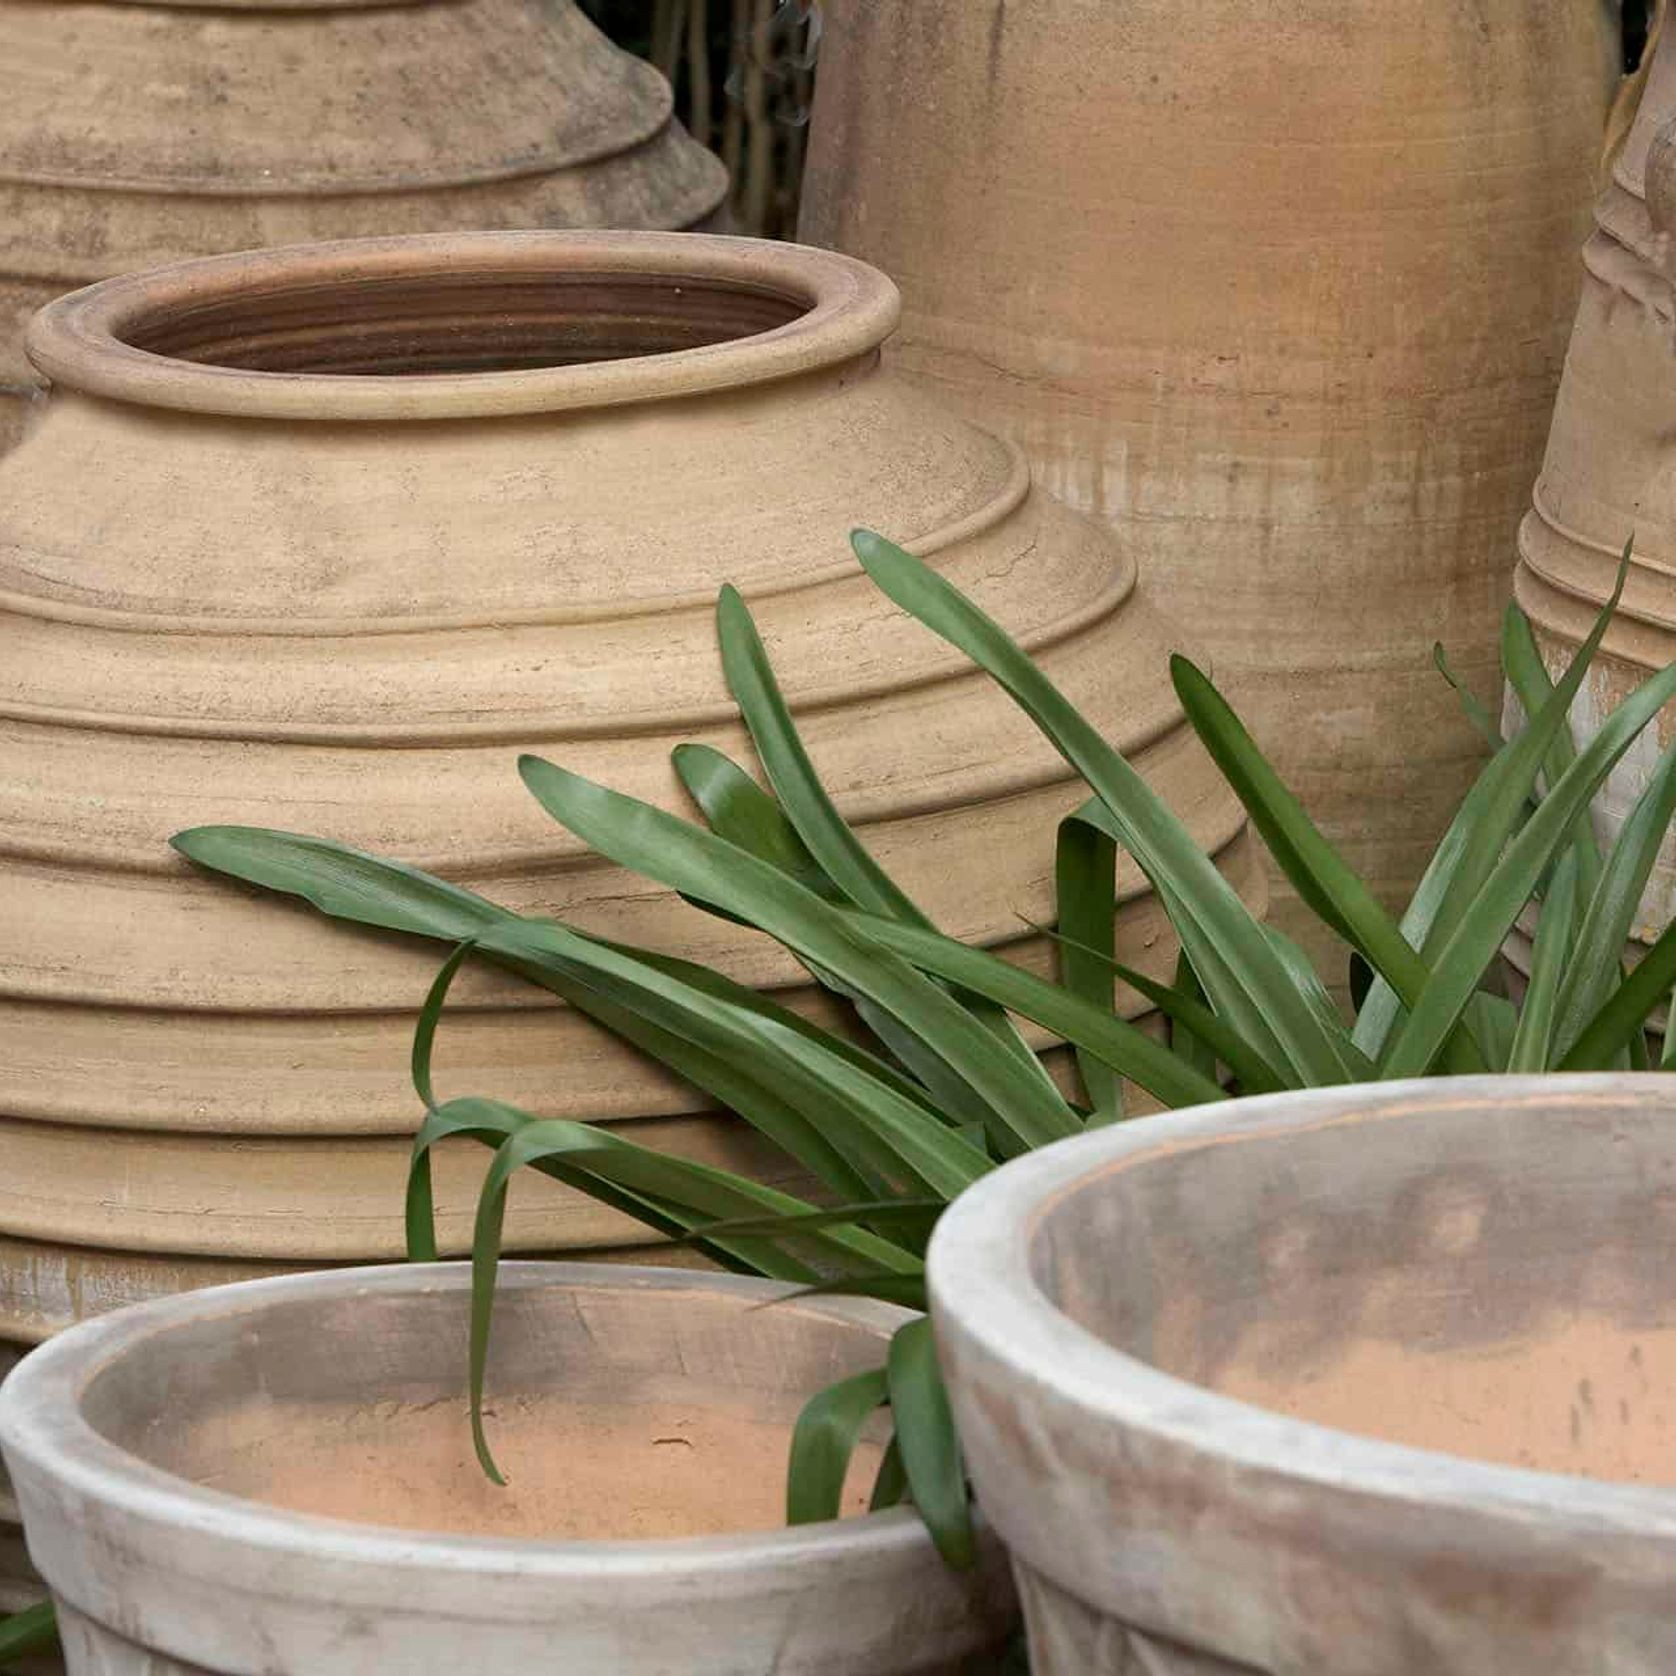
132	135
183	1534
1281	294
250	574
1610	472
1364	1381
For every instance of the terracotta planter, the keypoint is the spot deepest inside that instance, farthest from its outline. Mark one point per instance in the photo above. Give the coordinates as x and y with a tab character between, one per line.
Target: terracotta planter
1367	1381
1279	292
280	1477
137	134
273	582
1610	471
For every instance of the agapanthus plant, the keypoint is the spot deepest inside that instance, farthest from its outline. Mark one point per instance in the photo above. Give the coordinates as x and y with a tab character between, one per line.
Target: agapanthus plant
939	1086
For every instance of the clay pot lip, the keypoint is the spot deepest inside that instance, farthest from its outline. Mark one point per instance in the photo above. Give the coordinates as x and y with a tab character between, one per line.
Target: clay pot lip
849	309
985	1298
42	1428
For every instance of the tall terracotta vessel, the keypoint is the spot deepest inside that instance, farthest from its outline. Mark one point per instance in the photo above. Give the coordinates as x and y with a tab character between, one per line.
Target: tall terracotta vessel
1280	292
137	134
1610	470
322	539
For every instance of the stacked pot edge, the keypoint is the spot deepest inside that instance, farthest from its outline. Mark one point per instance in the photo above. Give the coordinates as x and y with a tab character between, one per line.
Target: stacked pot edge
345	605
139	134
1609	476
1285	304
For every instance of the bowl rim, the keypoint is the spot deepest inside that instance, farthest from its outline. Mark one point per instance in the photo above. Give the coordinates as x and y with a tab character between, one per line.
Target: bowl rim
985	1297
848	309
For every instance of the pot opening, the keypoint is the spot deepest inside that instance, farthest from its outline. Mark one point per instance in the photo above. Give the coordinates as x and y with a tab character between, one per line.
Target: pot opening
396	326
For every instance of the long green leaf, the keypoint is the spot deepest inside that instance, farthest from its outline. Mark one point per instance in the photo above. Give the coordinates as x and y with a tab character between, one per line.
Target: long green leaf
1237	964
1597	962
823	1443
1028	1112
1114	1040
33	1630
1533	1041
1478	935
1319	875
839	853
1085	883
930	1446
1626	1013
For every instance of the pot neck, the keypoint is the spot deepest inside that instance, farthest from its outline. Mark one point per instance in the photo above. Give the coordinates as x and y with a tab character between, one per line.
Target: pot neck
458	326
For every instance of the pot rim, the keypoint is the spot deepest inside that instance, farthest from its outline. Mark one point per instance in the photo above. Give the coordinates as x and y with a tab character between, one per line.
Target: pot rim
41	1423
981	1281
848	309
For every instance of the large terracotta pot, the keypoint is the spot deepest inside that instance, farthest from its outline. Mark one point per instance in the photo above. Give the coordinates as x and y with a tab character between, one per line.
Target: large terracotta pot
1610	471
322	539
1281	293
279	1477
1355	1382
137	134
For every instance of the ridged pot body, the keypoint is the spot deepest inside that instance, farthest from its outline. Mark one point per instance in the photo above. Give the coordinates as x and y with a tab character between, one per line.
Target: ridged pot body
1281	294
349	617
133	135
1610	475
279	1477
1352	1382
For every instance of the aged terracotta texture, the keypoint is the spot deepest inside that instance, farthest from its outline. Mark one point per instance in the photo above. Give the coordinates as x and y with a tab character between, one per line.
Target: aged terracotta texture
1279	291
275	583
1354	1382
1610	470
132	135
225	1483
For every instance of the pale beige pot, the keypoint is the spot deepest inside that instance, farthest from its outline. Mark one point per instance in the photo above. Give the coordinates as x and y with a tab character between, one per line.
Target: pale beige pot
1610	473
1280	291
279	1477
1353	1382
278	584
137	134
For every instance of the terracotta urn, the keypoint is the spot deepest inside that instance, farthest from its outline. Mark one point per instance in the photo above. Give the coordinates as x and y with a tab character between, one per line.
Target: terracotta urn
1610	471
322	539
279	1476
132	135
1280	292
1353	1382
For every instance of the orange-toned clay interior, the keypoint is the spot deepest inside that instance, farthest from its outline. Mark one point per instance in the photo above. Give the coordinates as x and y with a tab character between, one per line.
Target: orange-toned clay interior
575	1471
1583	1395
462	322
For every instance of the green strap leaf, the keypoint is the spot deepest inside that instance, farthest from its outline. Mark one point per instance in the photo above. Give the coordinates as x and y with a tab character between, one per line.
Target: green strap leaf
1113	1040
1085	877
1625	1015
33	1630
930	1446
1597	963
1246	980
1533	1040
823	1443
1026	1109
1319	875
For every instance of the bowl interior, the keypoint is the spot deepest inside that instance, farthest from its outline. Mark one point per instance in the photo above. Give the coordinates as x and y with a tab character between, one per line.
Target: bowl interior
468	320
615	1411
1485	1276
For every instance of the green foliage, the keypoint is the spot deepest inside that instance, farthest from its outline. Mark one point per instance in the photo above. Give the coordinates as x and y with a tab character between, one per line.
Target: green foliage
945	1088
33	1630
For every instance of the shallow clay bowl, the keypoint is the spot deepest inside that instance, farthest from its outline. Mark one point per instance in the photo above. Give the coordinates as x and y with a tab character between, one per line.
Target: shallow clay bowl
278	1476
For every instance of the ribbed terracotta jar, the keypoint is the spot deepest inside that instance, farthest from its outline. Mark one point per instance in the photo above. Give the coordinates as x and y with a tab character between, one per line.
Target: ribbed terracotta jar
137	134
1610	471
1280	291
322	539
